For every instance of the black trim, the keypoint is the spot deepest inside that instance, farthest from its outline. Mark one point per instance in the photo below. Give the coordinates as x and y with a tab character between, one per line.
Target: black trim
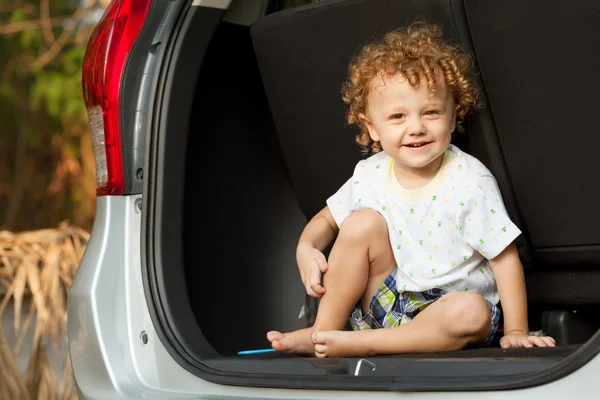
569	255
162	256
161	235
564	285
137	89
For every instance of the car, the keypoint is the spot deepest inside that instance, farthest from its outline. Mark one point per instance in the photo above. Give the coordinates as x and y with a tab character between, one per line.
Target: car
218	131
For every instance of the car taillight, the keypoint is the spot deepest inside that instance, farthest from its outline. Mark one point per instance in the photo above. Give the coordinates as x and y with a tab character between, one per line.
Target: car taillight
103	65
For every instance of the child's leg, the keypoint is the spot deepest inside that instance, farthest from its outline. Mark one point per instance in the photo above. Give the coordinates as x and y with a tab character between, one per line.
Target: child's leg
360	261
451	323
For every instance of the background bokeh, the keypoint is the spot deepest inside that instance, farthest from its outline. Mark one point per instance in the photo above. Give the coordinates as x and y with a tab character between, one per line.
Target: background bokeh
47	188
47	165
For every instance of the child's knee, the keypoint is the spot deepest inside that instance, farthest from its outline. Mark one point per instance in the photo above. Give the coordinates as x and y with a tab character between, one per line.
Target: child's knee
364	223
469	315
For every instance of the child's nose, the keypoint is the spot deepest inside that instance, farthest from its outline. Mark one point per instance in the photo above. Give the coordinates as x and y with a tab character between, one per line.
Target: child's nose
414	127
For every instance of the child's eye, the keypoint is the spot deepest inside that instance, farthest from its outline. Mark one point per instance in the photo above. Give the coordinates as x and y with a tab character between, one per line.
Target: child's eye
397	116
432	112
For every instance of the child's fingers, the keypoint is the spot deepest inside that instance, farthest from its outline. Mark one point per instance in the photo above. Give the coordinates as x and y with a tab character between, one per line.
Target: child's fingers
538	341
525	342
505	343
528	342
319	290
315	282
549	341
314	291
310	292
307	286
321	262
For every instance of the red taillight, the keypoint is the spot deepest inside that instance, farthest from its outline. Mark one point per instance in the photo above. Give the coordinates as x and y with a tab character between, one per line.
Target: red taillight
103	65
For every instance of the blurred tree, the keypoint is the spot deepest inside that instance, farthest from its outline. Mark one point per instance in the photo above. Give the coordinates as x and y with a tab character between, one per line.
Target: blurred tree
46	162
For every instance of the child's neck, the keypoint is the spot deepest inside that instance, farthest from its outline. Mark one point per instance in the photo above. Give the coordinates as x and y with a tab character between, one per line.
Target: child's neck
415	178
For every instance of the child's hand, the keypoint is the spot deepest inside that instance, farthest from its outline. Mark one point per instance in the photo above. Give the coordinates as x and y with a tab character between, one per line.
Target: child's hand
312	264
521	339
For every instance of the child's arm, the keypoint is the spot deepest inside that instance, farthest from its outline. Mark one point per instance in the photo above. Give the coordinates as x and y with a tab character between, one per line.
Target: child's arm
315	238
510	279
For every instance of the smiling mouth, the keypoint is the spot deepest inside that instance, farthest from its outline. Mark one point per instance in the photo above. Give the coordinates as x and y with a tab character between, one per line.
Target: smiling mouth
417	145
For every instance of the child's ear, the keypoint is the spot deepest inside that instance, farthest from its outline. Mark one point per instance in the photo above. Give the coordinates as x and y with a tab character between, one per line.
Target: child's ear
453	127
372	132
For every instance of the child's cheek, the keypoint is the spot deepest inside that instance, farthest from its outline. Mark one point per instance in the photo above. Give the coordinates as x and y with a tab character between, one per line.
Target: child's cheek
442	125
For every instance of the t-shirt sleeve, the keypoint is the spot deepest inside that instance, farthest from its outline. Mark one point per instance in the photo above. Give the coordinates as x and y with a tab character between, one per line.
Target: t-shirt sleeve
346	199
482	219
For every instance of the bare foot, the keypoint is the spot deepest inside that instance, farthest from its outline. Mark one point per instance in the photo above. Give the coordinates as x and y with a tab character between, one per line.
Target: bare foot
341	344
296	342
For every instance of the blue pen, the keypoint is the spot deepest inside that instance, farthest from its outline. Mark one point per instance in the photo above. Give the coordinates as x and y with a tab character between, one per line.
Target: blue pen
250	352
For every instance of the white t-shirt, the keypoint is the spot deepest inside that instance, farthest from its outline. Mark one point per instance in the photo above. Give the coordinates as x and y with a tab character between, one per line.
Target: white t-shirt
442	234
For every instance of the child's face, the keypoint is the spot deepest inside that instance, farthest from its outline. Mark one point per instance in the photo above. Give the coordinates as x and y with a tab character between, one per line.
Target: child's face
412	126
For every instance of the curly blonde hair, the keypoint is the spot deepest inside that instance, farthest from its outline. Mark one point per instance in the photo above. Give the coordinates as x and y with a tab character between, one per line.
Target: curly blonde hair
416	52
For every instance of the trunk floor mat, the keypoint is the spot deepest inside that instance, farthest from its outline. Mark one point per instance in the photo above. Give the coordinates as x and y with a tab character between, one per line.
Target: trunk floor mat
558	352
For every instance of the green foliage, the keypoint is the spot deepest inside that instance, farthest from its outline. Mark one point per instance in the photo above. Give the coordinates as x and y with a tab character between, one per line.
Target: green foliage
58	94
29	40
58	91
7	92
42	105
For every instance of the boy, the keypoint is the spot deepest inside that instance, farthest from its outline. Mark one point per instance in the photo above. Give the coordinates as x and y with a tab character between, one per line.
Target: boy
425	246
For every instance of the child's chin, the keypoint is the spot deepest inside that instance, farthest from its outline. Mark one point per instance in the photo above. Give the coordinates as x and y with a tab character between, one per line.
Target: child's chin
417	161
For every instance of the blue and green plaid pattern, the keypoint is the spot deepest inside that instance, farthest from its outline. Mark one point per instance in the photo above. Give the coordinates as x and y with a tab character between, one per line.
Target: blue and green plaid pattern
389	308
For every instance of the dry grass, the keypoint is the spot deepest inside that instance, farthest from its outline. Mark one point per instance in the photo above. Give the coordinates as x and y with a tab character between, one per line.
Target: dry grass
39	265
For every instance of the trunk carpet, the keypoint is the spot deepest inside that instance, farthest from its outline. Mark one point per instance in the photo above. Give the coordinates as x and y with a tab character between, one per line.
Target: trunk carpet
558	352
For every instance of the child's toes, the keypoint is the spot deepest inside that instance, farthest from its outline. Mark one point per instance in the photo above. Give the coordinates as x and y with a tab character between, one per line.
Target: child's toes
277	340
274	335
278	346
320	337
320	350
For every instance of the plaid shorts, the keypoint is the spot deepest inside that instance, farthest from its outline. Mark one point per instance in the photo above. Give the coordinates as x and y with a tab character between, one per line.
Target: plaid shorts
389	308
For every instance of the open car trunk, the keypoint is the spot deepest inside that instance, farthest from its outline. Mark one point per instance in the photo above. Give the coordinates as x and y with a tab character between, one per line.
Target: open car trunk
230	198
